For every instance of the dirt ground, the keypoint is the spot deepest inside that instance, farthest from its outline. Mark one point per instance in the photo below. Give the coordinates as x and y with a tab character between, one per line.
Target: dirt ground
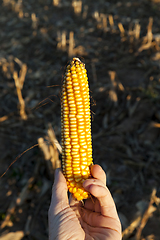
119	41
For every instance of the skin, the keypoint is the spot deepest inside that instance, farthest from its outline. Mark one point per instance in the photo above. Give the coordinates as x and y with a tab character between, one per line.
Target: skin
95	218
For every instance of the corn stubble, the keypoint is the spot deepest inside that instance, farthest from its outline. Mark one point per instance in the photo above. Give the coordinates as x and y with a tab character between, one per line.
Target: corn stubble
76	128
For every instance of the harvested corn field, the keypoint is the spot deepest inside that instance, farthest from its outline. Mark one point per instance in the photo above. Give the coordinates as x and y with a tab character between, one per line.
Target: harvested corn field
119	42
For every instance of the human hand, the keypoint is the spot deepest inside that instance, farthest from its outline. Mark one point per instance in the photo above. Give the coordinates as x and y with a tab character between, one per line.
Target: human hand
96	219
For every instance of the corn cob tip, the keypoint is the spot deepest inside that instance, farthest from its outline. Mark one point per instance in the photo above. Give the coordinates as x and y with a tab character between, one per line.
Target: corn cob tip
76	128
76	59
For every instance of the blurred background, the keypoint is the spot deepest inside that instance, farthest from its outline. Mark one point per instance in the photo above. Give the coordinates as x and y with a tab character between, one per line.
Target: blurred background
119	41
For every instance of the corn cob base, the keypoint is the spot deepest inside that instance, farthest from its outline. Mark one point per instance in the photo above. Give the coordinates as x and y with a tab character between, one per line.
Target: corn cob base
76	128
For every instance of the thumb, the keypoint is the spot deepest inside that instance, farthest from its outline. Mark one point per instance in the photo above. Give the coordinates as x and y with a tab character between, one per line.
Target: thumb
59	199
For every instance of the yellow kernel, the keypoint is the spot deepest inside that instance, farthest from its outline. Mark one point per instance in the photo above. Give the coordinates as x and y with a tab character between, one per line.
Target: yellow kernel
70	98
69	90
68	74
80	190
74	190
78	179
66	113
69	175
69	82
75	155
75	80
73	134
66	142
75	146
71	115
76	92
75	84
79	130
78	98
66	131
68	171
82	143
73	125
80	108
76	171
83	154
75	165
70	189
76	159
80	198
65	108
68	159
73	118
68	155
83	167
74	76
81	119
73	112
85	195
69	87
82	150
82	137
76	88
84	160
79	116
78	69
73	71
68	168
84	173
71	102
80	103
67	150
77	195
74	141
80	124
73	128
72	106
73	68
70	179
75	150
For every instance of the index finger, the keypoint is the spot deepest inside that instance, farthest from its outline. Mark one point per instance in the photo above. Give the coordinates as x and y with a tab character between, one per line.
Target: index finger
102	193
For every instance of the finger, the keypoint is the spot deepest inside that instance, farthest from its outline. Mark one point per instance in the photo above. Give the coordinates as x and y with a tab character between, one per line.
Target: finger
89	204
97	220
102	193
98	173
92	204
59	200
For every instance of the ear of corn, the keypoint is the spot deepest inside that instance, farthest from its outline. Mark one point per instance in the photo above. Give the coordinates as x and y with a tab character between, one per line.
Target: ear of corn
76	128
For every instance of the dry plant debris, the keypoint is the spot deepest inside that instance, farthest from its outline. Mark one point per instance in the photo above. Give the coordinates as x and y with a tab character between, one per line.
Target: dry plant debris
119	42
